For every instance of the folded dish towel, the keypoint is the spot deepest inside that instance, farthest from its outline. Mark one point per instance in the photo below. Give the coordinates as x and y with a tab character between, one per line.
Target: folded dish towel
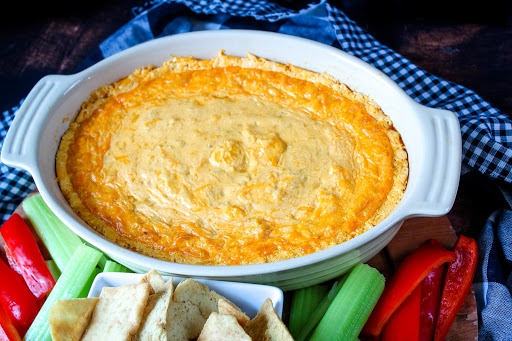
493	279
486	133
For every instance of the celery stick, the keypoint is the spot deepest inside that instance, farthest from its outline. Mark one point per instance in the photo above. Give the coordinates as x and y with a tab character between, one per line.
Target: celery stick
112	266
304	303
60	241
103	261
87	287
104	258
54	269
317	314
296	311
352	306
70	285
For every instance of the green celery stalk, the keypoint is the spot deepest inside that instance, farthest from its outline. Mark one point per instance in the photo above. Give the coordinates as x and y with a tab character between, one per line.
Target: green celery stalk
54	269
111	266
317	314
103	261
70	285
104	258
352	306
296	311
60	241
87	287
304	302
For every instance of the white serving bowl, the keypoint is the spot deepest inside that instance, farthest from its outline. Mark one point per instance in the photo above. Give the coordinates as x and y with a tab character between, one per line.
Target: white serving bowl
432	138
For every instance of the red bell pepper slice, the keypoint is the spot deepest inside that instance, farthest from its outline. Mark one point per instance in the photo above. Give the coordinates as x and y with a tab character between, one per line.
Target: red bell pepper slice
459	278
404	324
7	330
415	267
429	307
16	298
25	257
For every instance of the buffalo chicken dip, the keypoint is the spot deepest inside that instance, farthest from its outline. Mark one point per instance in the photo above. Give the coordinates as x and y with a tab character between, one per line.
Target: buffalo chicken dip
230	161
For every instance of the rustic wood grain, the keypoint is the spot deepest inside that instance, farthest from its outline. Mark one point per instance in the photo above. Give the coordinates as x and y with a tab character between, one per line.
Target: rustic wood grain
415	232
465	326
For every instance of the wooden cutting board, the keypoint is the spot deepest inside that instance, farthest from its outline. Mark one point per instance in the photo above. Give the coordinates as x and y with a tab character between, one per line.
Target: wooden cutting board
413	233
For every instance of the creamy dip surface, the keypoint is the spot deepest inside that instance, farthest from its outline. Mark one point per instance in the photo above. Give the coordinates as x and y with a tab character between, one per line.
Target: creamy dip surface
214	162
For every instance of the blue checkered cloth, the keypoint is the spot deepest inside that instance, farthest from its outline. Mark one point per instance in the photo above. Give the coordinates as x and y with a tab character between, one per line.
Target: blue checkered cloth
493	279
486	133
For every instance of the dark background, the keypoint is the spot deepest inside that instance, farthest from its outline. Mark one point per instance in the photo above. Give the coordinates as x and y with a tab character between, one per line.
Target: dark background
467	42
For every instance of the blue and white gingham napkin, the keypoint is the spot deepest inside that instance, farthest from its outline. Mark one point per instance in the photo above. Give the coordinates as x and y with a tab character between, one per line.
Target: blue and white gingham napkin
486	132
493	280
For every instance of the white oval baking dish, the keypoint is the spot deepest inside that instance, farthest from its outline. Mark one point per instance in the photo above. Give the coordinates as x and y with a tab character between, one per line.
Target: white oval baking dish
432	138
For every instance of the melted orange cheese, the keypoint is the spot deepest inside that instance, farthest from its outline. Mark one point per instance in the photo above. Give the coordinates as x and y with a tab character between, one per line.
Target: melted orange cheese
229	165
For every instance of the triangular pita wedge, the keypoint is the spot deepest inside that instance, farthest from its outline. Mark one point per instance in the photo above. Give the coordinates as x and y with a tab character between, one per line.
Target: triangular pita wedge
154	320
118	314
184	321
228	308
155	281
69	318
267	326
220	327
199	295
196	302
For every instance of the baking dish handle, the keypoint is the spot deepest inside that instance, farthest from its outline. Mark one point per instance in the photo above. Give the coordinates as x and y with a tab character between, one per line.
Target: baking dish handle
439	177
20	145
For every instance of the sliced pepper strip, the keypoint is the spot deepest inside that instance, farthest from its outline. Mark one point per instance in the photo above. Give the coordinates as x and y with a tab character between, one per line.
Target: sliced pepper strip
404	324
8	331
17	299
459	278
25	257
429	308
415	267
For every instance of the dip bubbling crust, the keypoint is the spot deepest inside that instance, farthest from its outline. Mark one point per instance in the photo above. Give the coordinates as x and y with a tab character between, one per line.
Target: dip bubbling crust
230	161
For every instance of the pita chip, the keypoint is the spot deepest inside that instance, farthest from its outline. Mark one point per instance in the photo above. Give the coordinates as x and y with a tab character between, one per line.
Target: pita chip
155	281
184	321
118	314
154	319
228	308
199	295
267	326
221	327
193	302
69	318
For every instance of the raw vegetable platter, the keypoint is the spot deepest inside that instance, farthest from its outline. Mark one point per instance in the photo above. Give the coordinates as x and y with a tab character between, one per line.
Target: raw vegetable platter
413	233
